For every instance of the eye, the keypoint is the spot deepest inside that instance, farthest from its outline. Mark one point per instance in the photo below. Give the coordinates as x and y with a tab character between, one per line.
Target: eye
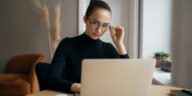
94	22
105	25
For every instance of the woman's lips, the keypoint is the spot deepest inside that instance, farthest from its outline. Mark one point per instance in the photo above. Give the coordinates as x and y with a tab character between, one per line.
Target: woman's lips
96	34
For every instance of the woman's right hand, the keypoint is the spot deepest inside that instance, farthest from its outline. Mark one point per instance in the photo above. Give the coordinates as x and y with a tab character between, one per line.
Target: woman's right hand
117	34
76	87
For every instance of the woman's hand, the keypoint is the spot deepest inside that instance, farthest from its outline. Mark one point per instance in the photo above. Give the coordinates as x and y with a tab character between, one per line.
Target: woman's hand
76	87
117	34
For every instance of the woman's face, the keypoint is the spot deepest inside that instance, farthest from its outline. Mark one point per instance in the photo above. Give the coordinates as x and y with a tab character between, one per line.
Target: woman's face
97	23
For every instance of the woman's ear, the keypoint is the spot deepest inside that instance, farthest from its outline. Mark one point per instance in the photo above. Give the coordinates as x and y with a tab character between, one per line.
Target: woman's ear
85	19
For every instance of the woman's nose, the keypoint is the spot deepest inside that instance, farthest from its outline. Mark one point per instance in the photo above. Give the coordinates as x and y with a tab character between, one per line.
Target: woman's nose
99	29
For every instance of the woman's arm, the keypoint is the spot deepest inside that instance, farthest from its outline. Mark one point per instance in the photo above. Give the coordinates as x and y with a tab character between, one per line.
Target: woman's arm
55	72
117	34
113	53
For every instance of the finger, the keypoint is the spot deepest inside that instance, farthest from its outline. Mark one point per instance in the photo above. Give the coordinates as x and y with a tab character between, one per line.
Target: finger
119	29
112	30
76	94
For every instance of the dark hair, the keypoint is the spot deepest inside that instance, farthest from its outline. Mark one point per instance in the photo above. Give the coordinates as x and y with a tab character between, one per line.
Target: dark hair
91	1
96	4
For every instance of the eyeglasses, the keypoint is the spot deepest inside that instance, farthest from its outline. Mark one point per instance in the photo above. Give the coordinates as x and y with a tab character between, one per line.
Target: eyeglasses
96	24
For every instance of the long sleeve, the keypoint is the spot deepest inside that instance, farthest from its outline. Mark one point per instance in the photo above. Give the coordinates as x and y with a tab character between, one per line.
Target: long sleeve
55	80
112	52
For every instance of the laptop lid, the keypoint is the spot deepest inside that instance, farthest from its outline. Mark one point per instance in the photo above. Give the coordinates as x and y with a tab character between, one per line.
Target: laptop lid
116	77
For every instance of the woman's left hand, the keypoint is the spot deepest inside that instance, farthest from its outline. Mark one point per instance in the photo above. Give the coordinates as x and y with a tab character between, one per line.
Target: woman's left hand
117	34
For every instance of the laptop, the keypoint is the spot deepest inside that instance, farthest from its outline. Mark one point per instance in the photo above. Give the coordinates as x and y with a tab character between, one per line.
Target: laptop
116	77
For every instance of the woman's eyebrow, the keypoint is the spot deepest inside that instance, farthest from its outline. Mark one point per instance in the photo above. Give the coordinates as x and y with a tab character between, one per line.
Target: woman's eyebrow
99	22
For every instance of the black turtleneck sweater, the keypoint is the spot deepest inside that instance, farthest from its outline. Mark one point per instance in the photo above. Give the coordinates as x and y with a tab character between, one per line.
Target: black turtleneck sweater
66	64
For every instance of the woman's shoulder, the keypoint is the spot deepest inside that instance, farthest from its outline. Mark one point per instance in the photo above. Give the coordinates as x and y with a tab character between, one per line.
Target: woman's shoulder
68	40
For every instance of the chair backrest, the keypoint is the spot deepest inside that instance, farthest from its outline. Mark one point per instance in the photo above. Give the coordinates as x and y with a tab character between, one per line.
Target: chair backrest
23	63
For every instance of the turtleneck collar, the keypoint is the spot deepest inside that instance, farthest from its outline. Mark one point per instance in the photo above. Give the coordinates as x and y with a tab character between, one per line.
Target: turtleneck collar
88	39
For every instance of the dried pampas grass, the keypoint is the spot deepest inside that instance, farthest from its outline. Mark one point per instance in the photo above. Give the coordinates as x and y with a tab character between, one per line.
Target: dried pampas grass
53	29
56	28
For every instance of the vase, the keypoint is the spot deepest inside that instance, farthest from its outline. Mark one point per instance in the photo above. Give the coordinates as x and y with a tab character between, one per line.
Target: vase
159	60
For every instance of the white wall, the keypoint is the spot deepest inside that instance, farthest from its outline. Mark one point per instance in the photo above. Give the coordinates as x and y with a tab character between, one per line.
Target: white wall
182	45
155	27
22	31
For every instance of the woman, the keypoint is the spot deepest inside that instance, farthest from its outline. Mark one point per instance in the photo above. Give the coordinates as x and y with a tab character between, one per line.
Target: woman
65	70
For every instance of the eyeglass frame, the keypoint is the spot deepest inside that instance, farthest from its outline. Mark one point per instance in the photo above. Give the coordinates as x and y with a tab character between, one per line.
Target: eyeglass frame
96	25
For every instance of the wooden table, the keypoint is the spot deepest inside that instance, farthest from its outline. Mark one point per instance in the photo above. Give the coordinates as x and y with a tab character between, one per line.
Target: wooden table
157	90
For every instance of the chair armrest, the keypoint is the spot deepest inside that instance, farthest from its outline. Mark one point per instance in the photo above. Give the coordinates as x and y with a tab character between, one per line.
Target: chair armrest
32	75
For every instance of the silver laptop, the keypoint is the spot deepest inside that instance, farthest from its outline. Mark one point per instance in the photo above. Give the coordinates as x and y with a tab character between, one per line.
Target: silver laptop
116	77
